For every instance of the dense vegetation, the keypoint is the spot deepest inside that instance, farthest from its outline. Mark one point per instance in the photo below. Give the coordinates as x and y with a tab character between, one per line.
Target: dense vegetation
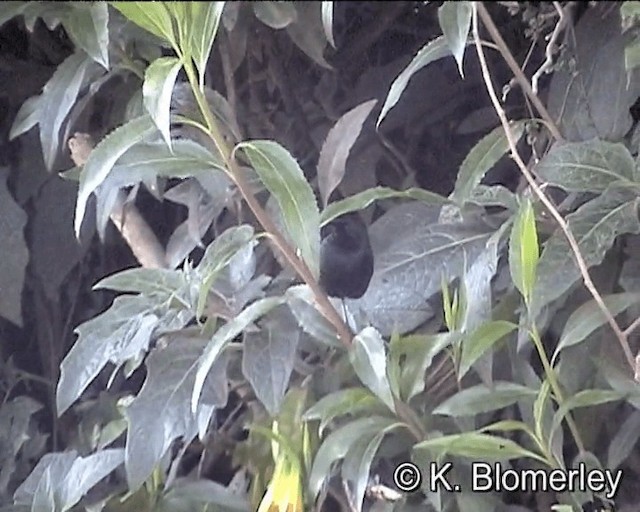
166	169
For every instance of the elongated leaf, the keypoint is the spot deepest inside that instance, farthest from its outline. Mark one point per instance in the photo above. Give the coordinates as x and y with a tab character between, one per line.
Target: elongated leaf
153	17
217	256
357	462
147	281
480	399
595	225
87	26
104	156
622	444
584	398
327	21
307	32
337	445
26	118
482	157
346	401
363	199
475	445
337	146
588	317
205	18
10	10
267	362
412	355
60	480
524	252
14	250
409	267
301	302
222	337
455	22
276	15
589	166
432	51
476	343
119	334
58	96
369	360
285	180
161	413
159	80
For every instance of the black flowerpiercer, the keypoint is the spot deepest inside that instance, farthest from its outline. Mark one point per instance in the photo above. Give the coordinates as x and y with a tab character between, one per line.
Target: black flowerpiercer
346	259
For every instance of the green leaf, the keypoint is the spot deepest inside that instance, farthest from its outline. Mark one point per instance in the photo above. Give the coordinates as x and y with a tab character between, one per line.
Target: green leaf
223	336
595	225
87	26
363	199
147	281
327	21
160	412
58	96
10	10
476	445
482	157
493	195
268	358
540	407
337	445
588	317
302	304
357	462
585	398
284	179
455	22
480	399
205	18
307	32
26	118
589	166
337	146
524	252
353	401
119	334
151	16
632	54
412	355
476	343
276	15
103	157
217	256
159	80
622	444
369	360
15	252
432	51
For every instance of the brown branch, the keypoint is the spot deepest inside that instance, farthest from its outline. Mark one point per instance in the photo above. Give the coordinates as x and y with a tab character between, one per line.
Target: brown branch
516	70
551	46
134	229
575	248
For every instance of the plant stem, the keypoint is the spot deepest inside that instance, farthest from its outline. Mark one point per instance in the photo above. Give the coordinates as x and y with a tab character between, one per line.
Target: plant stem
301	268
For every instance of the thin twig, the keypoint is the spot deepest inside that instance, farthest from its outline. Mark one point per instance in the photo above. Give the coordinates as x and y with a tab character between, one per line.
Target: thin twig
515	69
575	248
551	47
632	327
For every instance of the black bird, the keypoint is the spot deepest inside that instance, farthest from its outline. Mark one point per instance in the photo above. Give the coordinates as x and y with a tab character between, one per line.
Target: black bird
346	259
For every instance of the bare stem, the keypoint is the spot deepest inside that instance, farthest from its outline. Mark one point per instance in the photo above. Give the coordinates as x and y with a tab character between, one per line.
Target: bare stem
516	70
575	248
